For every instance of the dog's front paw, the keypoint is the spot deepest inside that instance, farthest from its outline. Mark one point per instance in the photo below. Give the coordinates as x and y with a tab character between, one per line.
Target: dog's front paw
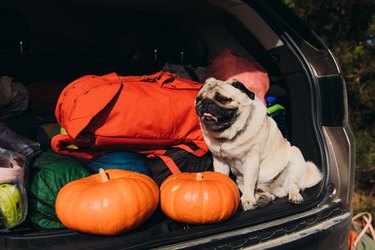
248	204
295	198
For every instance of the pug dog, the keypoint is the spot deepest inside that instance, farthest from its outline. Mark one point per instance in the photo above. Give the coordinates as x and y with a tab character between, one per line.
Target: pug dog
246	142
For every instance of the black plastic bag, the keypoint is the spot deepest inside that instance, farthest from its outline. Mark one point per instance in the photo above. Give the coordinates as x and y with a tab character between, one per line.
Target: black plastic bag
13	141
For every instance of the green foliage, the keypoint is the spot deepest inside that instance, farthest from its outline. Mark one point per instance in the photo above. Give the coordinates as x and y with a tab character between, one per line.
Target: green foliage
365	148
348	29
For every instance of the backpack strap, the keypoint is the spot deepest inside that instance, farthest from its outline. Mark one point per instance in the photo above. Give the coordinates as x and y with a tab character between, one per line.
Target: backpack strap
196	148
167	160
170	164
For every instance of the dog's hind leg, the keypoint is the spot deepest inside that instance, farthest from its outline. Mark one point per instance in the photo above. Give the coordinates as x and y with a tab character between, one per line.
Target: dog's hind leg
278	191
294	173
294	195
276	187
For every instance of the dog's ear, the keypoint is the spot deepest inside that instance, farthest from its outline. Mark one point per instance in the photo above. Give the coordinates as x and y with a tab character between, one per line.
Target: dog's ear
242	87
210	80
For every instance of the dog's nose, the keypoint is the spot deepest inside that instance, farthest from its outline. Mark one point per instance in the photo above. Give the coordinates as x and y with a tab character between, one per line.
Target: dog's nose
207	104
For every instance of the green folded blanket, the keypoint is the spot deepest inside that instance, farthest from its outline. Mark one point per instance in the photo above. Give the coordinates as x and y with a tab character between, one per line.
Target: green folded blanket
50	173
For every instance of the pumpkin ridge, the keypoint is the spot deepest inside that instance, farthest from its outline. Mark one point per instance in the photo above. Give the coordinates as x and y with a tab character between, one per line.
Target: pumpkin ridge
98	191
218	201
224	200
137	193
202	185
121	190
195	188
175	201
139	190
147	182
85	190
145	208
69	217
234	199
191	188
232	186
148	185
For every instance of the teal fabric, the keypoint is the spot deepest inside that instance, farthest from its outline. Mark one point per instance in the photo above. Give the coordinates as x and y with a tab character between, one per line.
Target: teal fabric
126	160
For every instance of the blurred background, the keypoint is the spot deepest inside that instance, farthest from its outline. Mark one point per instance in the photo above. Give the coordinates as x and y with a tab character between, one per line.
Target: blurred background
348	29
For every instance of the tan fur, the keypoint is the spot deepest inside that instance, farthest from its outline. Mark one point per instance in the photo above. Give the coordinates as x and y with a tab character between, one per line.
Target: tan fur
255	151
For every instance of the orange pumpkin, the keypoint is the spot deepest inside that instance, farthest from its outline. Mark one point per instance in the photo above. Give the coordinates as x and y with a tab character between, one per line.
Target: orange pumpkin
108	203
198	198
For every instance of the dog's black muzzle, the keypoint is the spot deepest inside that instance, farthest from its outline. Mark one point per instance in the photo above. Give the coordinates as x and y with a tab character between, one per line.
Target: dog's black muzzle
215	117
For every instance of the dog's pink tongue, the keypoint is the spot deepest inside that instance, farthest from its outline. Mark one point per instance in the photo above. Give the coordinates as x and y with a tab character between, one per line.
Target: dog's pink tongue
207	116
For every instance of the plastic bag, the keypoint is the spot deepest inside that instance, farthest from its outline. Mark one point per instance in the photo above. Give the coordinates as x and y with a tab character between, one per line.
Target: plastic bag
13	196
14	97
6	92
20	101
13	141
186	71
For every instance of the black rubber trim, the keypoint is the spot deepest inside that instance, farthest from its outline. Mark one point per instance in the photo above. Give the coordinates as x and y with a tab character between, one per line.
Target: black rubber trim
293	226
333	92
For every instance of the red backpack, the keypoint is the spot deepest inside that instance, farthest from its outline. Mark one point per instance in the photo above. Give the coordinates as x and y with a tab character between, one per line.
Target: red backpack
145	114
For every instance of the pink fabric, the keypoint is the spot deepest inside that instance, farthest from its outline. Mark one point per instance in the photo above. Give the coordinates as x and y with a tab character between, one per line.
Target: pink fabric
228	65
10	174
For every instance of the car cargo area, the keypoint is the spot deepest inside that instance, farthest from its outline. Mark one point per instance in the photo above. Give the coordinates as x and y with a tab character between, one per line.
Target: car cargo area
45	45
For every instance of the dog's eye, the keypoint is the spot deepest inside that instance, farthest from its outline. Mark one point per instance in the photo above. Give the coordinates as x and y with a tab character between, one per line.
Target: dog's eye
222	99
198	99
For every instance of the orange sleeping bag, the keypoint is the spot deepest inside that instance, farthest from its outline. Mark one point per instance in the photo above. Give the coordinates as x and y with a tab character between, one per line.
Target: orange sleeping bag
145	114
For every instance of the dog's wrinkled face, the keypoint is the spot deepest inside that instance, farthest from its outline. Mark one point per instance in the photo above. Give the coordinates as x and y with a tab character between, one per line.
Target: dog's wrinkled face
218	103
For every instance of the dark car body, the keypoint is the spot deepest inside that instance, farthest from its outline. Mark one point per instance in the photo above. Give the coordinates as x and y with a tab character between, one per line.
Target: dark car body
63	40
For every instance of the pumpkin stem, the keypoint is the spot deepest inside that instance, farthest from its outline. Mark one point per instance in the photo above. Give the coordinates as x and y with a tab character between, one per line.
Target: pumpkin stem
103	175
199	177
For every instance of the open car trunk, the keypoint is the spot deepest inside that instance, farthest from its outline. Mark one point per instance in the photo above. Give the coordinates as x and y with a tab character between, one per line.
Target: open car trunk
64	40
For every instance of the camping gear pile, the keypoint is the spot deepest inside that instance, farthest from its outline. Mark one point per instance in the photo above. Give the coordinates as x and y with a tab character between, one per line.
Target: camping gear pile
117	144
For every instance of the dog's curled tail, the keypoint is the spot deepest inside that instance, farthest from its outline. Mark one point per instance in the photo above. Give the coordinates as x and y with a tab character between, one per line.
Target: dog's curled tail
313	175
